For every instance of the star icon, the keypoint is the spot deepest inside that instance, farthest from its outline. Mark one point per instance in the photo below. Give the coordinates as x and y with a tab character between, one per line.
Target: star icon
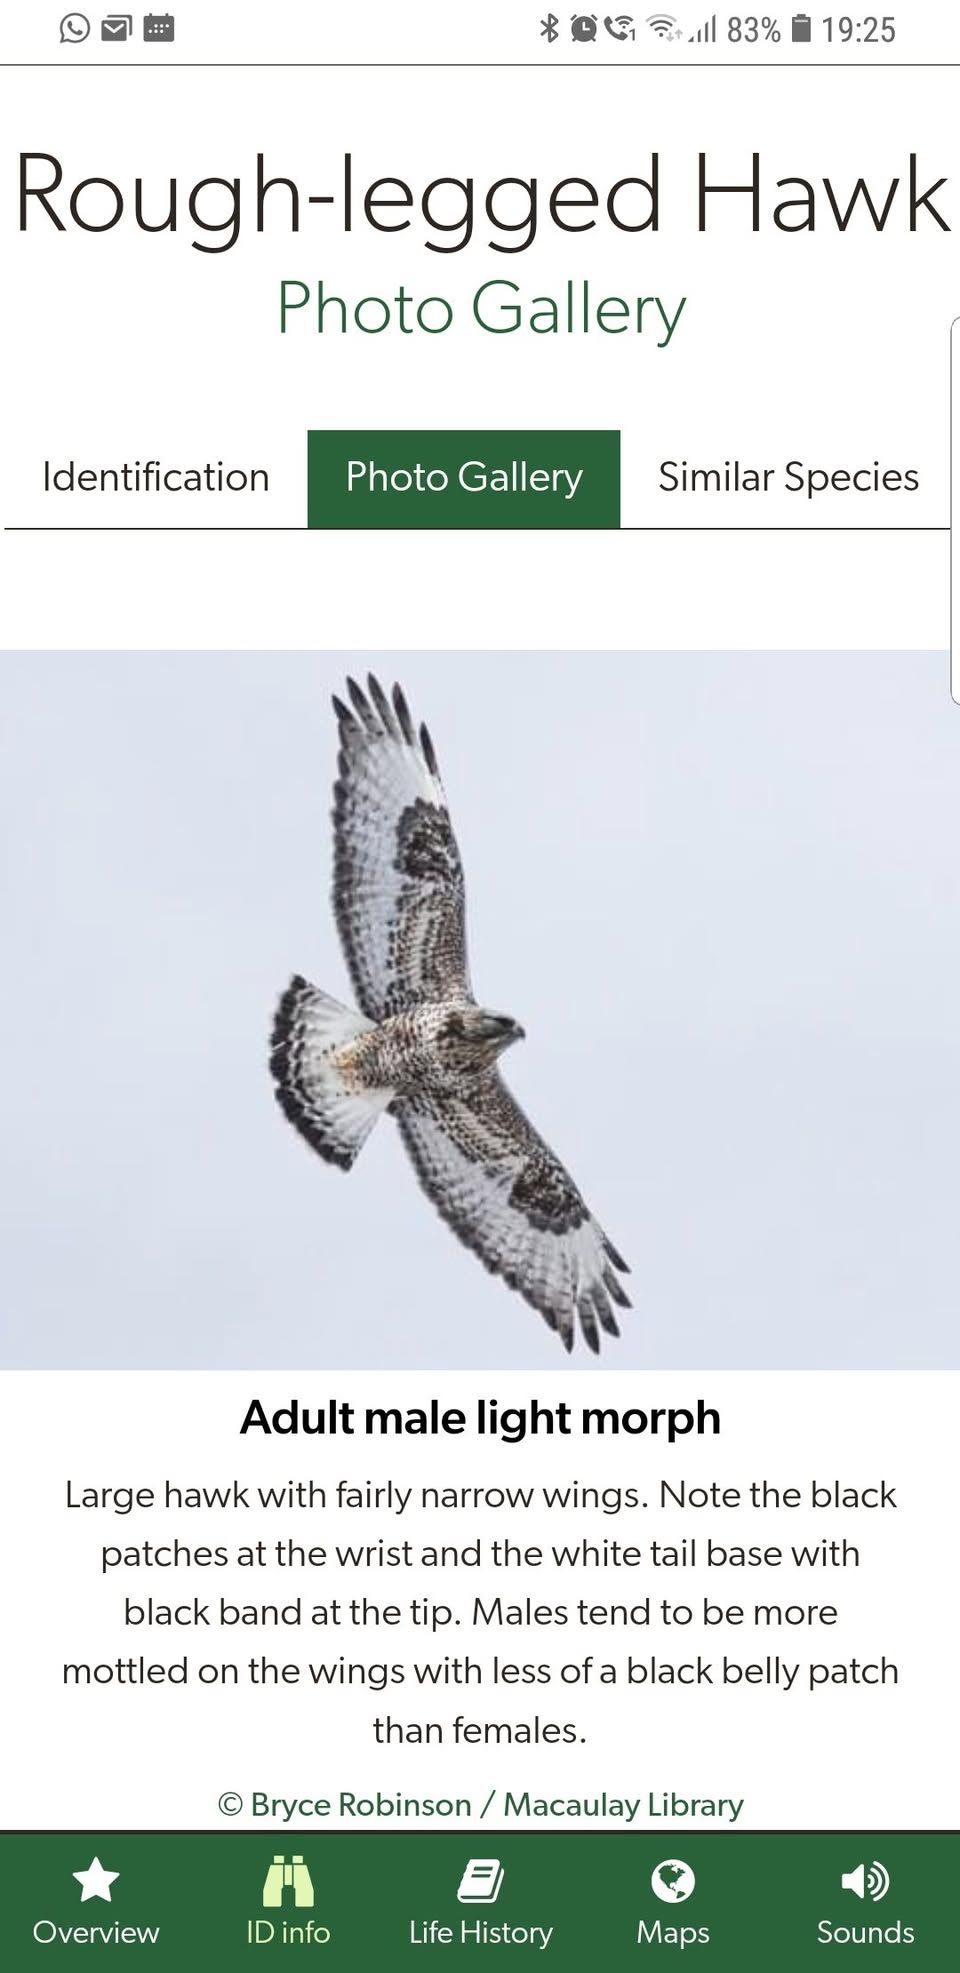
96	1881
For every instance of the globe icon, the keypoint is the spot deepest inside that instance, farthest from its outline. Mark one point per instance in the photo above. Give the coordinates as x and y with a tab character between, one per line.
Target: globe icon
672	1881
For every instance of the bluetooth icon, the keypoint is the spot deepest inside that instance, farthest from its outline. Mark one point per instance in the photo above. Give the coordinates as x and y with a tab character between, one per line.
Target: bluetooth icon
549	28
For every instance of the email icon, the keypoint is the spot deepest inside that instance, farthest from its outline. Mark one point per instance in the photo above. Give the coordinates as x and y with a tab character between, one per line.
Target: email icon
116	27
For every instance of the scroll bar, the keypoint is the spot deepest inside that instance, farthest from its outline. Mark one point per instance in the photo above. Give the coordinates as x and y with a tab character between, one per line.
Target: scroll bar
955	510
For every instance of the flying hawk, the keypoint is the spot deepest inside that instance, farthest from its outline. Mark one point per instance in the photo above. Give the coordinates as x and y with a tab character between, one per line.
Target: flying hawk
421	1047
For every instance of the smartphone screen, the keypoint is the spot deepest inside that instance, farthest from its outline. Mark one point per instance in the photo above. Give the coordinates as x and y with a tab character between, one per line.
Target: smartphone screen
480	782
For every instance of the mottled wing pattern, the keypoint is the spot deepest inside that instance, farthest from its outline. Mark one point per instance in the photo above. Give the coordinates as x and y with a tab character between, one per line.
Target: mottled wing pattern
506	1195
398	880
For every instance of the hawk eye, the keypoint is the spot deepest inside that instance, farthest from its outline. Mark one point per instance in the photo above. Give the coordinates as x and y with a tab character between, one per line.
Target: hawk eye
455	1026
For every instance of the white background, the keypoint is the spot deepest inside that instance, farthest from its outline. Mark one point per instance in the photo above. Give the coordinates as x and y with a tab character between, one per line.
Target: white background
128	346
243	30
789	347
161	1756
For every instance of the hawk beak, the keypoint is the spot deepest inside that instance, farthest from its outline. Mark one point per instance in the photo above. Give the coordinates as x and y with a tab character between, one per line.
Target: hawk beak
503	1030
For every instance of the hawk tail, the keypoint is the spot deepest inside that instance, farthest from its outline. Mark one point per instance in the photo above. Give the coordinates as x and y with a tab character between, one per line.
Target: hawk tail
309	1052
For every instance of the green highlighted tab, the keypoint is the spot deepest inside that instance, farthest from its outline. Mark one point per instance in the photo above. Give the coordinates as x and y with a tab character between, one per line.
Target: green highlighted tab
463	479
616	1900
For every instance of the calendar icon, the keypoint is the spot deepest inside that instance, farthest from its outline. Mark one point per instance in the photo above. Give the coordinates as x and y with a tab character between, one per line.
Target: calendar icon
158	27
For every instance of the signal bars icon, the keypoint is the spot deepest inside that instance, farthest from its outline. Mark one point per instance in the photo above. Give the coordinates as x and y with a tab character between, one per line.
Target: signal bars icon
708	32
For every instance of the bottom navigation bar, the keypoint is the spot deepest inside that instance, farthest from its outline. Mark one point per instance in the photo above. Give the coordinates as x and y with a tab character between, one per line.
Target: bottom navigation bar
742	1903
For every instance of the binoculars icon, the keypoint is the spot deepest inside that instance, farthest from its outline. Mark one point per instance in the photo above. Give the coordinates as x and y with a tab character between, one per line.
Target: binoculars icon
282	1877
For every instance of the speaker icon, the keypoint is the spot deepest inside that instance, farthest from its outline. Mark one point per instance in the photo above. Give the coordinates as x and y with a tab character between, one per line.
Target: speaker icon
867	1881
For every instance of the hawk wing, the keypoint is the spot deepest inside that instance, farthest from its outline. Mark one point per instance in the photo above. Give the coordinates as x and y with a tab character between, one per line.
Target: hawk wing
506	1195
398	881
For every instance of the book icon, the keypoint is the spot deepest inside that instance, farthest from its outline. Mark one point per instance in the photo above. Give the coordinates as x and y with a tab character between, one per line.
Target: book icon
481	1881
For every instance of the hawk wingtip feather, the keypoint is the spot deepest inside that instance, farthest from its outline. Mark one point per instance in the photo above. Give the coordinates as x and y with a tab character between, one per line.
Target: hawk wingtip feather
614	1289
344	715
363	708
402	711
608	1321
382	705
612	1254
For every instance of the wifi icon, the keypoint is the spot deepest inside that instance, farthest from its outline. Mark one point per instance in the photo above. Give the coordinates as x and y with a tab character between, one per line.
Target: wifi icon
867	1881
664	26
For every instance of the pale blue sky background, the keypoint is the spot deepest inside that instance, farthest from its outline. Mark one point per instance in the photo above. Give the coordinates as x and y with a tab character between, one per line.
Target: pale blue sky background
721	892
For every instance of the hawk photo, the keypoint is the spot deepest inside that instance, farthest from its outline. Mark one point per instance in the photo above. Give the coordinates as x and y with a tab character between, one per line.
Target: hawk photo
420	1047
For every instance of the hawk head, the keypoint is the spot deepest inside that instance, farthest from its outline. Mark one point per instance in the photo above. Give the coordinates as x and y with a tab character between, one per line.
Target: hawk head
472	1038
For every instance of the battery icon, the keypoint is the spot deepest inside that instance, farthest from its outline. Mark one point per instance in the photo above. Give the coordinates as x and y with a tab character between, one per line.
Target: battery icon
800	27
